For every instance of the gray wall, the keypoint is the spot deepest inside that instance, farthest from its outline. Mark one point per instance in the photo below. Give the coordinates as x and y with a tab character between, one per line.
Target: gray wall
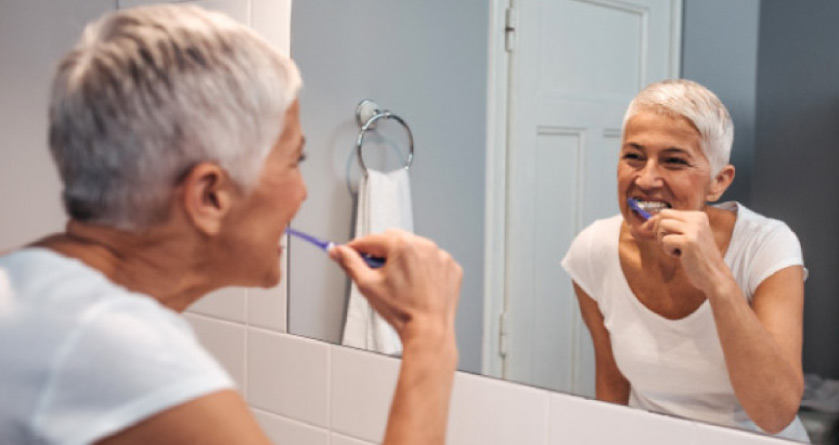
775	65
796	173
427	62
33	35
719	50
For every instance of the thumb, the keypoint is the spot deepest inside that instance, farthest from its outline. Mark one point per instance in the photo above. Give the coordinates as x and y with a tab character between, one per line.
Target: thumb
350	261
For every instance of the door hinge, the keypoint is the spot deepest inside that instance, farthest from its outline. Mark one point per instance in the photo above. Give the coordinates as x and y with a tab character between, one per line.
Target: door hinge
503	338
510	23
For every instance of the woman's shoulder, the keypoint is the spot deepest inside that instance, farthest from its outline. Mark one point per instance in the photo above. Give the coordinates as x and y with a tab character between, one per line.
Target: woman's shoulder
601	231
760	246
755	228
597	240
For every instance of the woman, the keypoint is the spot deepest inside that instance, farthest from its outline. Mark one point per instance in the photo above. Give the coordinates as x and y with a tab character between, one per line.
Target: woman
696	311
176	132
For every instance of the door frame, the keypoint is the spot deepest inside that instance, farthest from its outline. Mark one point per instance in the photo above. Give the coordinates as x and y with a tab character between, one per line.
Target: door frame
501	107
495	214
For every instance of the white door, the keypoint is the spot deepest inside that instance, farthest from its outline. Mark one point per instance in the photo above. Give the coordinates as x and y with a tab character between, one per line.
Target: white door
576	64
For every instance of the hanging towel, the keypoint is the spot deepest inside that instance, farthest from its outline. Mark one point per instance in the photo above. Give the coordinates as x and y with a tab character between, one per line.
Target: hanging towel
384	202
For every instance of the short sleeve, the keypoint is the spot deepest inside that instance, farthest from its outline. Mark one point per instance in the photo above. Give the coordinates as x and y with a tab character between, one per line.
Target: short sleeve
779	248
127	361
577	261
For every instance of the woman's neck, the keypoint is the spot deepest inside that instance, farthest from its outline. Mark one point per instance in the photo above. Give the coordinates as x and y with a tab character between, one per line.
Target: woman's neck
160	262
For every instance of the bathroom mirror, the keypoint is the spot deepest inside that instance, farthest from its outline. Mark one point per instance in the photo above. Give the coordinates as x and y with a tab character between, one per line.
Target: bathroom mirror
443	67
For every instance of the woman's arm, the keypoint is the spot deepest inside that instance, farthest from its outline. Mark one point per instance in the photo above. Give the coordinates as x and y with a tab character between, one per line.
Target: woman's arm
762	342
610	384
417	292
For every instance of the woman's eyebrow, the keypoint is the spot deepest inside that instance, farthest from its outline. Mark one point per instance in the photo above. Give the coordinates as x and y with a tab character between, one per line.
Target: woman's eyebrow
675	150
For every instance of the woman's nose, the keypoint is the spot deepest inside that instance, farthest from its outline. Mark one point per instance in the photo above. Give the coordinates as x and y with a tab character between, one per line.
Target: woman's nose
649	176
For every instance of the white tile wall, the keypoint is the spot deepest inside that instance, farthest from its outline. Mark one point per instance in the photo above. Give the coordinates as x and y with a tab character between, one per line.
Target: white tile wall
267	308
707	434
338	439
284	430
362	387
304	391
486	410
289	376
226	341
577	420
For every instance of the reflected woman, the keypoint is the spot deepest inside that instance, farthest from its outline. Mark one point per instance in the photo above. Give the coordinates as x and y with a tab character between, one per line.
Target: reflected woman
695	311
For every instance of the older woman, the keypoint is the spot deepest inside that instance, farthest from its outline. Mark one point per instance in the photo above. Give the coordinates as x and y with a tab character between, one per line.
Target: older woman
177	136
694	310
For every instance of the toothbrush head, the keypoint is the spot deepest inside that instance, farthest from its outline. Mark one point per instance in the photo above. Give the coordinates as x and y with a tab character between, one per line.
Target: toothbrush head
633	204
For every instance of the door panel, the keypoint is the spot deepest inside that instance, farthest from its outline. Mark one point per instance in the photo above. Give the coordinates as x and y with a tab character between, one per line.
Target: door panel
576	66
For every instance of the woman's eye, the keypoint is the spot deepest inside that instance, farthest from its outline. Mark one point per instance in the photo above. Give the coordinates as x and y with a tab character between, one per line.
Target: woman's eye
676	161
632	158
301	158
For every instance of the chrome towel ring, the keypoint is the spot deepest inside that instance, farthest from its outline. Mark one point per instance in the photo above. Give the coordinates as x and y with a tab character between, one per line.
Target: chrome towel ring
367	113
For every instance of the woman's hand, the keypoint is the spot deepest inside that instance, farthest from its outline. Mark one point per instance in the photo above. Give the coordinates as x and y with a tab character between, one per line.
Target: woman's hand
416	291
418	287
687	235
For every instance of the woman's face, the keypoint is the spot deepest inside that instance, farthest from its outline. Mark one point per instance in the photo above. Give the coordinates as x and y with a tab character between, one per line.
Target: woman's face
260	218
662	165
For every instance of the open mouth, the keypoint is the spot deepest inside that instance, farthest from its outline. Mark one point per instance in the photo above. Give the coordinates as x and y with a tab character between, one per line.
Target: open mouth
652	207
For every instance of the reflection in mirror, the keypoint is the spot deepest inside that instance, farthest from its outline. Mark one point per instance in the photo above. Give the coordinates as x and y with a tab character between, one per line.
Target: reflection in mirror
508	213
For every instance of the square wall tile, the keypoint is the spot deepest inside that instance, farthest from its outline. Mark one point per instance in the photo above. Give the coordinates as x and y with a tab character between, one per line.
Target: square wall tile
362	388
338	439
488	411
225	340
238	9
282	430
713	434
272	19
574	419
289	376
267	308
229	303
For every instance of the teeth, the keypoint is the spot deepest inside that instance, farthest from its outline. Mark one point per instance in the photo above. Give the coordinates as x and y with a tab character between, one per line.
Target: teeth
653	206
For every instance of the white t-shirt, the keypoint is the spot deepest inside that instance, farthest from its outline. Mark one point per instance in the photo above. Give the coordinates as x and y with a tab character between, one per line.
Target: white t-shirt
677	367
82	358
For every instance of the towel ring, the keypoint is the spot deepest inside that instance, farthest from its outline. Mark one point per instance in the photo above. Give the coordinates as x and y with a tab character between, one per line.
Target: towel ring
366	108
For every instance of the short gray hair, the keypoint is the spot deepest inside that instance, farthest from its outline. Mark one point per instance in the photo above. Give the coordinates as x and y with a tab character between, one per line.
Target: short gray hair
150	92
700	106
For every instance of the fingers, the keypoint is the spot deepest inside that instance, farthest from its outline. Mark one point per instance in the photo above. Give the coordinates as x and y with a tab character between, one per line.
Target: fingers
379	244
419	286
351	262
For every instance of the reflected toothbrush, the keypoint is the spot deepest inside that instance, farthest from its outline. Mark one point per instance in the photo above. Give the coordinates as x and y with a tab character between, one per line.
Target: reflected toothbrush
633	204
373	262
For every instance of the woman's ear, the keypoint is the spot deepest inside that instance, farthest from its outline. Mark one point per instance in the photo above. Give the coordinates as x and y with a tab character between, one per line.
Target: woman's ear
720	183
207	197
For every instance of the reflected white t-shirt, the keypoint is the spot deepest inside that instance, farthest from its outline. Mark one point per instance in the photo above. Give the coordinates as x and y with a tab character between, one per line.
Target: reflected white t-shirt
677	367
82	358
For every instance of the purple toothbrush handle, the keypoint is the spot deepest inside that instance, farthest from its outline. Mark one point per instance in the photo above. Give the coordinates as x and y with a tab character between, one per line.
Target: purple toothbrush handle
372	261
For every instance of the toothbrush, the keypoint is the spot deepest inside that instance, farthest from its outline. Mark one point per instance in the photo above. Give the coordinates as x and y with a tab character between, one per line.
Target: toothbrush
373	262
633	204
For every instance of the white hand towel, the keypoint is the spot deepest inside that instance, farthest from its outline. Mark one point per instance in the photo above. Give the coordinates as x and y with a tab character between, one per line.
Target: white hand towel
384	202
